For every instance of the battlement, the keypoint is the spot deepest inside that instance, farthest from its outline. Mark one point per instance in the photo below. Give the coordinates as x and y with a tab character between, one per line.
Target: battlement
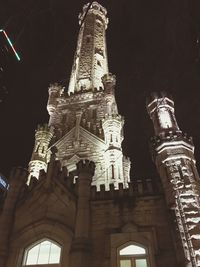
55	88
157	95
86	166
61	175
80	96
44	128
171	136
69	181
113	117
138	188
159	102
109	81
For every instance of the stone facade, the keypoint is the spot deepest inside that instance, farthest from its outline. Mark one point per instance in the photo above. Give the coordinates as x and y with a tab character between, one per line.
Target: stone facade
88	209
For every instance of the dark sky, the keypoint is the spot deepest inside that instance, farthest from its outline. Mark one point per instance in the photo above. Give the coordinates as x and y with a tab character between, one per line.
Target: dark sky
152	46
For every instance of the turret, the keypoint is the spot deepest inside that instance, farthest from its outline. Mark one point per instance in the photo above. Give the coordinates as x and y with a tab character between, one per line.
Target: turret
40	155
173	154
112	126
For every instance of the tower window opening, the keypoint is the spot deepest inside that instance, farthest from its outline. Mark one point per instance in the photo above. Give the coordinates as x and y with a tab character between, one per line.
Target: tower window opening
98	63
165	119
113	173
133	256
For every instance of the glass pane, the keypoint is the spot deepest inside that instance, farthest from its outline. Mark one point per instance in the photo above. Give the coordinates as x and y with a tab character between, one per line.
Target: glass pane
141	263
32	255
132	250
54	254
44	252
125	263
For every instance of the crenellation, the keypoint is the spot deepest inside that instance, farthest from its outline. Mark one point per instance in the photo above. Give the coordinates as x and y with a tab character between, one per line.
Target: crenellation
144	187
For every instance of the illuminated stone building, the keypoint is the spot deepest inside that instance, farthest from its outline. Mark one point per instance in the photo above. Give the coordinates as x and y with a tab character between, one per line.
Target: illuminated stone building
71	212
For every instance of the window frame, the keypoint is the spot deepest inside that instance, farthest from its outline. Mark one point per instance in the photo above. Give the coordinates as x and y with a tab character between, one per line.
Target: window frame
26	251
133	257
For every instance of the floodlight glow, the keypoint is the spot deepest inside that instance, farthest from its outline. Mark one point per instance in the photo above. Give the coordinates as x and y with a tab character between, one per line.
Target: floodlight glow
10	43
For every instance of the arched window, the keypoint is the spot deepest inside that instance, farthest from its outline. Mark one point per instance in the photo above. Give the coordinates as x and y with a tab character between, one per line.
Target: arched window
43	253
133	255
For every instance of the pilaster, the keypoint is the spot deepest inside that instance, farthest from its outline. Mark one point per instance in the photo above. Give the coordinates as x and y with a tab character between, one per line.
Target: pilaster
81	245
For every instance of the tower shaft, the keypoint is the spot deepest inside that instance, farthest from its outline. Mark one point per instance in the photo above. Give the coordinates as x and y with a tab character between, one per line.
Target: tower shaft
90	60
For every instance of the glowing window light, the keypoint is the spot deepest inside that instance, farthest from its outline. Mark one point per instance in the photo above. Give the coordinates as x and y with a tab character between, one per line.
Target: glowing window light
165	119
10	43
46	252
132	250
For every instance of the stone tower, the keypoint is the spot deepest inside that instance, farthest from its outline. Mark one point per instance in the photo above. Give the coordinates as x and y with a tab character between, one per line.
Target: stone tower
173	154
85	119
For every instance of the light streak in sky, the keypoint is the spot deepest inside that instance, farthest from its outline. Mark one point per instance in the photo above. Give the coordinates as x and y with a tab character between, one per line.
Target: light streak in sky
10	43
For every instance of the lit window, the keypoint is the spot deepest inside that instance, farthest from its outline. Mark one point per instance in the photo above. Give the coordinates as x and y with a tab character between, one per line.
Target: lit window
45	252
165	119
133	256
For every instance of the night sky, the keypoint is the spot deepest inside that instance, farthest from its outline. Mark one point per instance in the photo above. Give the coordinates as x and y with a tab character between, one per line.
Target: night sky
152	46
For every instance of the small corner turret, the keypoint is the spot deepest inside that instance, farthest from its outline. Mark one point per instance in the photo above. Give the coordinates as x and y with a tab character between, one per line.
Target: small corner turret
41	154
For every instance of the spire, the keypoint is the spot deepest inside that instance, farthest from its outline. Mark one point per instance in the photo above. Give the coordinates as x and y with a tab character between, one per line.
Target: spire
90	60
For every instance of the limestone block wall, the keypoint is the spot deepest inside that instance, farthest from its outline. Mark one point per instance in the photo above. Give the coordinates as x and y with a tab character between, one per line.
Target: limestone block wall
138	214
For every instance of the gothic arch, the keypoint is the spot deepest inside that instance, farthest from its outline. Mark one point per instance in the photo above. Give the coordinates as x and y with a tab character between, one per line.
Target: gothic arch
141	238
44	229
40	253
133	252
